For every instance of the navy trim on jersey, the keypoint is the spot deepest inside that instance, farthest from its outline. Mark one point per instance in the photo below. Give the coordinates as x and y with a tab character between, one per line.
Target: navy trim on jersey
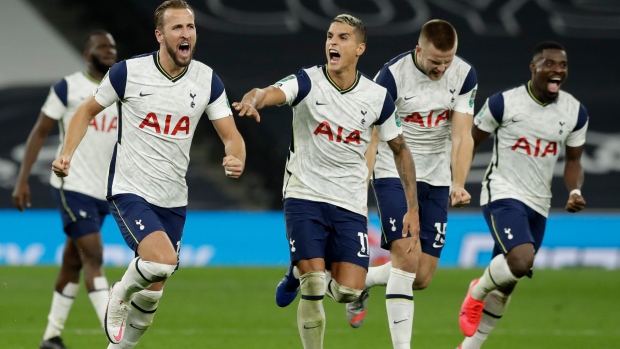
154	53
582	118
470	81
387	110
118	78
112	170
305	84
165	73
386	79
217	88
496	107
119	109
342	91
61	91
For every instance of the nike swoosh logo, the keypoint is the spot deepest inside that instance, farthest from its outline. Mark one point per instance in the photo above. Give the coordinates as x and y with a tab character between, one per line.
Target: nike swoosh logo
138	328
145	94
436	245
408	98
318	103
359	254
309	328
397	322
119	336
483	332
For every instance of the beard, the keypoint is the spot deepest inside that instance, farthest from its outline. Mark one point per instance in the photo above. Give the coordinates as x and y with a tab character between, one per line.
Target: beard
174	57
99	65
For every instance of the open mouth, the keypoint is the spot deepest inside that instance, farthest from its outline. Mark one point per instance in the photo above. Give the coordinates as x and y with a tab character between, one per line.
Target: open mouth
334	56
184	49
553	84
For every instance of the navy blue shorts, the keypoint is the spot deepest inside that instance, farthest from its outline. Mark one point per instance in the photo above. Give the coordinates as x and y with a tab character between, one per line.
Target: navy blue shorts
513	223
321	230
136	219
433	212
81	214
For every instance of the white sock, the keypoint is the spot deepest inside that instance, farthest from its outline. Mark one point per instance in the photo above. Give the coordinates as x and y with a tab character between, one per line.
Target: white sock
310	313
399	305
140	318
140	275
496	275
378	276
61	305
99	297
494	307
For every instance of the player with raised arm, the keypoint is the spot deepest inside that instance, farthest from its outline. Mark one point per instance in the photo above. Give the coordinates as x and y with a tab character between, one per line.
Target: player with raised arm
81	198
531	124
162	96
434	92
335	109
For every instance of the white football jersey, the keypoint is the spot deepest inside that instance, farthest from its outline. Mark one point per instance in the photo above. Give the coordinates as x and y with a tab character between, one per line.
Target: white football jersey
331	131
90	162
529	137
425	109
159	114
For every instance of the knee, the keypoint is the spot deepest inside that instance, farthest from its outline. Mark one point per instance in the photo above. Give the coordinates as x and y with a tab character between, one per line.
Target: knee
520	265
421	283
155	272
342	294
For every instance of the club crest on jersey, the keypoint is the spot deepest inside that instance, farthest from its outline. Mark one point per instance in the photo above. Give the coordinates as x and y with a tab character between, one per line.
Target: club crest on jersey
452	92
192	95
562	123
325	128
534	148
153	123
363	111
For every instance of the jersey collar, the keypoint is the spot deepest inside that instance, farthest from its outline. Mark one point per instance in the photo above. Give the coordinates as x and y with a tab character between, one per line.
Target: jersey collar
415	62
529	91
161	69
357	80
89	77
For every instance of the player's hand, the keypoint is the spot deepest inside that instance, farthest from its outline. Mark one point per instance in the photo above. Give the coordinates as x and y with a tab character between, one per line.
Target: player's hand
233	167
21	196
61	166
575	203
411	225
246	109
459	197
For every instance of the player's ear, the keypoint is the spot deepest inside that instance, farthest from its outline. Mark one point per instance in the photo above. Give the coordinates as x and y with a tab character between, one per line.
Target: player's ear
361	47
533	67
159	35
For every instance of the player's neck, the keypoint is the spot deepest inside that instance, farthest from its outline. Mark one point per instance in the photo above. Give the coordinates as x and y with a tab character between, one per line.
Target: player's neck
167	64
95	74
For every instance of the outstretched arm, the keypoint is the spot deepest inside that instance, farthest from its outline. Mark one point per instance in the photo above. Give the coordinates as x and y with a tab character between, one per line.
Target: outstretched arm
259	98
234	146
461	156
75	132
573	178
40	131
406	170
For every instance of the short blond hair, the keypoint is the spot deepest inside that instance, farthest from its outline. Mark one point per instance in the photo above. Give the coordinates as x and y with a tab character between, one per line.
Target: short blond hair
161	9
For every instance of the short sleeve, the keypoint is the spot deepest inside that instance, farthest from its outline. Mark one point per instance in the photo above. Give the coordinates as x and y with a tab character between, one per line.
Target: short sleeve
219	108
577	137
491	114
56	102
388	125
112	88
465	100
295	87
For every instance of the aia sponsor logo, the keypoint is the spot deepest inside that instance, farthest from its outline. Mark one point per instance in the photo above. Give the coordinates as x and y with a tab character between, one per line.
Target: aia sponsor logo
325	129
104	123
536	148
433	119
165	126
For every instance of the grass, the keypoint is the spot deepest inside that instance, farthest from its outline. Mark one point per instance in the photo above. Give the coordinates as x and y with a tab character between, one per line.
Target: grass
235	308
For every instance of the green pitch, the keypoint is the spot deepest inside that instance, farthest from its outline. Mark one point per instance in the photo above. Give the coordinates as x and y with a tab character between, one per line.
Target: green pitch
234	308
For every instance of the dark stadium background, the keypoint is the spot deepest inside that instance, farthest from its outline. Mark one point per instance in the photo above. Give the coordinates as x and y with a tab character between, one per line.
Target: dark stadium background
255	43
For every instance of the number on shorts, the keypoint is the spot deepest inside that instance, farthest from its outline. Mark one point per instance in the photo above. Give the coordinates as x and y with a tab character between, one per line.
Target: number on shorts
363	242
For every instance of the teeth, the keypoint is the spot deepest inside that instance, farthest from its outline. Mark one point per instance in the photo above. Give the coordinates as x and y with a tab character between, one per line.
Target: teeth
333	51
